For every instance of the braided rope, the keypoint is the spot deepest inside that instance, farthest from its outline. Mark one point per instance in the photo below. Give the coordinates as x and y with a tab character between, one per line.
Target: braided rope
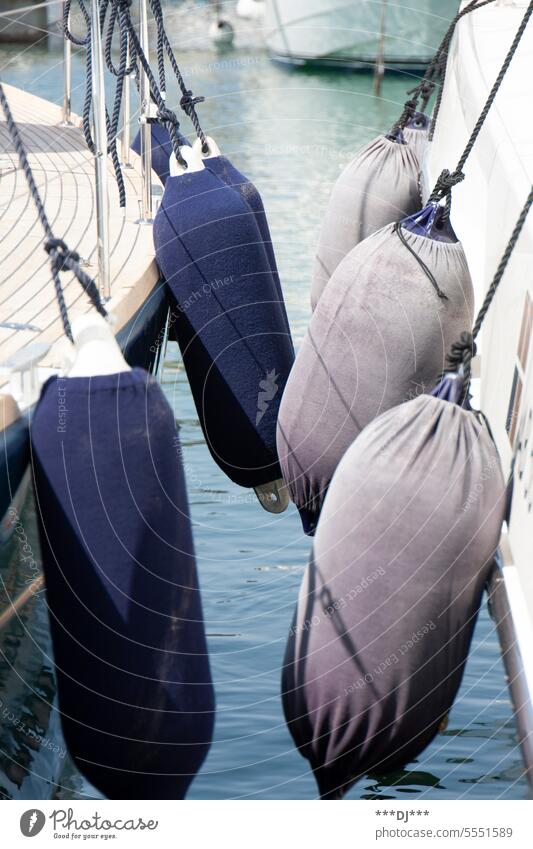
434	71
443	186
188	101
61	258
111	123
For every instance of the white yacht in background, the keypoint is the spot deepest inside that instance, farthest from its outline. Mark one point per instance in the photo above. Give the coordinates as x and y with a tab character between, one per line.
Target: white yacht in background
485	208
404	34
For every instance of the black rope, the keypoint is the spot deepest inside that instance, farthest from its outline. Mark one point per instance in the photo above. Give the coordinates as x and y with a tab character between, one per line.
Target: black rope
61	258
447	180
431	277
165	115
188	101
442	61
111	123
422	92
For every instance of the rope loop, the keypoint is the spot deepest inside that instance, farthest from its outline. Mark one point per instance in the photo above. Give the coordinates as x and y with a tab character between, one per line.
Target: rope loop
167	116
462	353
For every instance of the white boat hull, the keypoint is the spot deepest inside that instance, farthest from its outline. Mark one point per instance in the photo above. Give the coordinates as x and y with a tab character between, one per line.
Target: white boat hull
485	207
338	32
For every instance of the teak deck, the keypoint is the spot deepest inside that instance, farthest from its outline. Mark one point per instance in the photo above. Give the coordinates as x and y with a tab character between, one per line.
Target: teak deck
63	169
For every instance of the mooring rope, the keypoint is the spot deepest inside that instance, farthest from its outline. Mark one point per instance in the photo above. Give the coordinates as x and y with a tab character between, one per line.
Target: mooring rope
111	123
448	179
422	92
166	116
188	101
61	257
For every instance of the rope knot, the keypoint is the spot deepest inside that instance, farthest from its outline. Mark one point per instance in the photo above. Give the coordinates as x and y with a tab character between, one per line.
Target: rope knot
445	183
167	116
63	256
188	101
461	354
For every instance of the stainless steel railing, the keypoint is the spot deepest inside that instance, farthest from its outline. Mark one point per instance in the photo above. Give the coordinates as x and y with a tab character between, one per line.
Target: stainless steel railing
100	155
146	132
67	77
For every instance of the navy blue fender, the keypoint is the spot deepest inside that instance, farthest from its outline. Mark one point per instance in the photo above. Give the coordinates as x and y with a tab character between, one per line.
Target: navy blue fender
228	319
134	683
223	168
161	149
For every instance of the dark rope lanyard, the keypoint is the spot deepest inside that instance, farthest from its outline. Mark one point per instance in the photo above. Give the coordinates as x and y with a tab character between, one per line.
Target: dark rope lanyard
166	116
61	258
447	180
422	92
111	123
188	101
464	350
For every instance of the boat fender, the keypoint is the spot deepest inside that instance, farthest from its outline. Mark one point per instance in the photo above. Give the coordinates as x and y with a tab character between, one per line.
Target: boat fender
193	162
229	174
378	336
161	148
96	350
227	319
221	33
135	692
388	603
379	186
416	132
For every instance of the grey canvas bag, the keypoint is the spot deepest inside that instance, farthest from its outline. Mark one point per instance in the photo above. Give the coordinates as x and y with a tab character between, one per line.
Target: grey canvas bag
388	603
378	186
379	336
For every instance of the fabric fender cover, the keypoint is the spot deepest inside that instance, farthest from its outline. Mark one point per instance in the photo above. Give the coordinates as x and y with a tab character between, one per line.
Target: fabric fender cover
379	336
389	601
228	320
415	134
223	168
161	149
135	690
379	186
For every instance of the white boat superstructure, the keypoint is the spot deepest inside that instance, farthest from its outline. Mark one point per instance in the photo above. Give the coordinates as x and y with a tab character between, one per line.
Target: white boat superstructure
485	208
355	34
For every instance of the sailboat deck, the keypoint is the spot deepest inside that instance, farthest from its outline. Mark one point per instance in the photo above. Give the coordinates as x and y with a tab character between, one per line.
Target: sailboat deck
63	169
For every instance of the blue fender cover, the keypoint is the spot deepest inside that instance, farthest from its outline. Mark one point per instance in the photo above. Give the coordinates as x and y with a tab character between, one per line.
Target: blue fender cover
224	168
135	691
161	149
228	319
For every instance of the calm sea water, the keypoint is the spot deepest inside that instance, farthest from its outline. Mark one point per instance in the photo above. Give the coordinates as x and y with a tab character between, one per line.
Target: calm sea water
291	132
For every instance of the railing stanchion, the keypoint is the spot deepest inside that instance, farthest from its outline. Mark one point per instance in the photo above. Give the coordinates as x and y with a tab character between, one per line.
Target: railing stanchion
67	77
125	138
100	156
146	132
